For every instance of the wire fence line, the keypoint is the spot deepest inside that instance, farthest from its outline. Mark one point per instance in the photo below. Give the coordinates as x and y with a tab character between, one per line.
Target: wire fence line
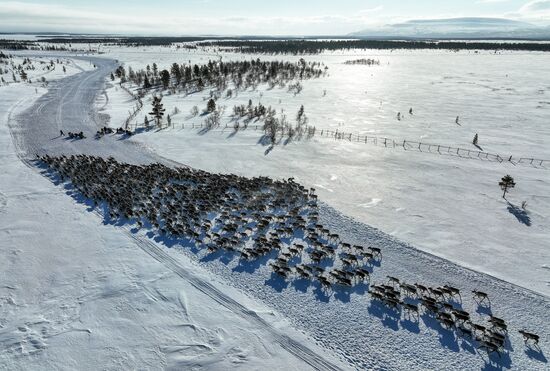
135	110
406	145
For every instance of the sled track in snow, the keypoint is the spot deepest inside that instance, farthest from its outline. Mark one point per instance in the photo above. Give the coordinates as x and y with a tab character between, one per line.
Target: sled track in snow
287	343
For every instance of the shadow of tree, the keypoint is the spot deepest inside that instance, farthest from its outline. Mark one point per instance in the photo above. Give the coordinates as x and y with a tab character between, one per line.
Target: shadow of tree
520	214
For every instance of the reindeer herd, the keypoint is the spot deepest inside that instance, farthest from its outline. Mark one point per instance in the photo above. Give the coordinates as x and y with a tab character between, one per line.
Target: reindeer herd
265	221
444	304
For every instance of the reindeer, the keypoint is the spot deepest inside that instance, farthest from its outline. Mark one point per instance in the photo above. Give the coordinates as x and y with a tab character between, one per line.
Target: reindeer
423	289
478	328
529	336
393	280
410	290
376	295
461	316
391	302
480	297
375	251
410	308
325	283
362	274
489	347
464	331
498	323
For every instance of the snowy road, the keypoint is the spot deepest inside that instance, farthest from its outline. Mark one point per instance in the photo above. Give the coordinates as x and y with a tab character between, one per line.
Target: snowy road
363	333
69	106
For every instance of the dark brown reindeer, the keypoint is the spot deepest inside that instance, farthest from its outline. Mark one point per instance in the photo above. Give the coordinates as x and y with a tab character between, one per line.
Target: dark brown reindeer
529	337
480	296
410	309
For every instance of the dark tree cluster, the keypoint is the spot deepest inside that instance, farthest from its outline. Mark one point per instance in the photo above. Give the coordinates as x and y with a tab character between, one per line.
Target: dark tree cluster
251	112
242	74
298	47
16	45
364	62
136	41
30	45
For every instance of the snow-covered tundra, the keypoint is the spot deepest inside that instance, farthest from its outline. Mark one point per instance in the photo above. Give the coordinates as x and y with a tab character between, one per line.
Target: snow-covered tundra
80	292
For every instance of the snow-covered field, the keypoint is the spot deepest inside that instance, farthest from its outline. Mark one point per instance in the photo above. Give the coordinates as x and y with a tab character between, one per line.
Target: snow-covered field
39	69
79	293
448	206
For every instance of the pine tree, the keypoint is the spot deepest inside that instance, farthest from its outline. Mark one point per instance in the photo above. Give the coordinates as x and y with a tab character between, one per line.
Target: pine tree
211	106
168	120
165	78
112	77
301	117
120	72
475	140
146	122
146	83
158	110
506	183
176	72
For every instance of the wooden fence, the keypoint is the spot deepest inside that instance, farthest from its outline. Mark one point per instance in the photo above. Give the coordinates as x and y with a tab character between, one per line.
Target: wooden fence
406	145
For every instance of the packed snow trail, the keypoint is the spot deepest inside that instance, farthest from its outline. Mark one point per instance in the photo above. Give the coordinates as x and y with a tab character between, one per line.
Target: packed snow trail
69	106
299	350
347	322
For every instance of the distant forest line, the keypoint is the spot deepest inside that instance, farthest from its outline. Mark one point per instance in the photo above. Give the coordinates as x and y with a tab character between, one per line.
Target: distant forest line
262	45
315	47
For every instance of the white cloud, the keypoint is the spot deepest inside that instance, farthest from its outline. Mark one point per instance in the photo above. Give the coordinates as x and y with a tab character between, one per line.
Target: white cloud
536	9
536	6
376	9
492	1
18	16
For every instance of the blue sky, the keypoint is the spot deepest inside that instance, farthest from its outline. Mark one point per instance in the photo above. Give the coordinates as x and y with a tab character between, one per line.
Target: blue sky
238	17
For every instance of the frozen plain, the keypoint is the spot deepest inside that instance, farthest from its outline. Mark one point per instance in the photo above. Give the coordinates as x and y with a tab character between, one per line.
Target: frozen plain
447	206
426	349
78	294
